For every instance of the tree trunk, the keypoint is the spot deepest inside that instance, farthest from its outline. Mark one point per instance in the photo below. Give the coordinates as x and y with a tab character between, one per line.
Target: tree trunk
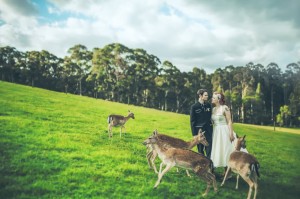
166	101
66	88
80	86
243	113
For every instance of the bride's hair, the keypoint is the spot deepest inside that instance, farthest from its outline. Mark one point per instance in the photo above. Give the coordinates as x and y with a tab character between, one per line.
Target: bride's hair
221	97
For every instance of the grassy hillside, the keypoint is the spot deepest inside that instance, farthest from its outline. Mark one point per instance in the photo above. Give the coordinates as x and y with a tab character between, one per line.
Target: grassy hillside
54	145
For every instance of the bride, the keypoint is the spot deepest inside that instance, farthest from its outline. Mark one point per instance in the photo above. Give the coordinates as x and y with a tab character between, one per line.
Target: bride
223	134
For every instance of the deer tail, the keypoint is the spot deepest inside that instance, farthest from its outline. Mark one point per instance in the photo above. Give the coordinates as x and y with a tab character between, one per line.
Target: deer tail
108	119
255	167
212	166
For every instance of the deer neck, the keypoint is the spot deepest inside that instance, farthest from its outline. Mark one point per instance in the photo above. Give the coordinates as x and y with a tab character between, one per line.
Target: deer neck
159	147
192	143
238	146
126	118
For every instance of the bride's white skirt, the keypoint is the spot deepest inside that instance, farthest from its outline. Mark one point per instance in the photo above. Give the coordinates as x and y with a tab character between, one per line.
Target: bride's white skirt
222	147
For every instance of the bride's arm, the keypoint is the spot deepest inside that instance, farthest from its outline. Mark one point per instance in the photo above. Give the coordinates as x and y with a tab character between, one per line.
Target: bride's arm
229	122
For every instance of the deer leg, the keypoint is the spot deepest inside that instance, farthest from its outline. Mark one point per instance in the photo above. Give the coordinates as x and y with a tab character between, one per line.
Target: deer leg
160	175
212	177
237	181
208	183
251	185
228	169
160	168
187	173
153	161
203	174
121	131
109	131
255	190
253	178
148	156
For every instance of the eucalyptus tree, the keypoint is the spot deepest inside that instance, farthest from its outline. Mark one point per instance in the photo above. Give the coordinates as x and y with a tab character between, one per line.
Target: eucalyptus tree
228	84
82	57
168	76
274	93
198	79
70	74
50	67
283	117
10	60
217	80
102	72
109	68
243	89
33	66
99	74
292	85
146	69
184	93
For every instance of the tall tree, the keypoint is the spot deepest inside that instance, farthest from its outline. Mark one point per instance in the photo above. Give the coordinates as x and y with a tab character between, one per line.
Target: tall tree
82	57
9	62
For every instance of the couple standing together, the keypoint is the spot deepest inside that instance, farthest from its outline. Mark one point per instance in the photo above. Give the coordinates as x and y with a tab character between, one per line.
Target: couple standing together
217	124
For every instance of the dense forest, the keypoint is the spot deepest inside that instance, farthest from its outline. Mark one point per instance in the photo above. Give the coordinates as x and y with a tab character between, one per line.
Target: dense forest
256	94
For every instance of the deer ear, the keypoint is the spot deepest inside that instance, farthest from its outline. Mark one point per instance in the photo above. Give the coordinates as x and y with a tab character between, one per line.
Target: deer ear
203	132
244	137
155	132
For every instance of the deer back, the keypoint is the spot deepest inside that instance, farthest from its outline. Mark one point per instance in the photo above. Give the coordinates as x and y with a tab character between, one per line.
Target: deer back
195	159
116	119
172	142
239	156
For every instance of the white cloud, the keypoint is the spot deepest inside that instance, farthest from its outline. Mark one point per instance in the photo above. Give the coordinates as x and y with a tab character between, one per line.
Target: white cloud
188	33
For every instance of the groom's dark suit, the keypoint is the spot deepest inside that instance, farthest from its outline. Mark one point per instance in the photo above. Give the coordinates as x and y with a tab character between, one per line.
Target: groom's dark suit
200	117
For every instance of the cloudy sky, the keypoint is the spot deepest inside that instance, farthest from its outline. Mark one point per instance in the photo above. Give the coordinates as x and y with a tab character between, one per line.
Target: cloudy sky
189	33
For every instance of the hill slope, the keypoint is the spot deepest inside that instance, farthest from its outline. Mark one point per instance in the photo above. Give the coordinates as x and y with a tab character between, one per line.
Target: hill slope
55	145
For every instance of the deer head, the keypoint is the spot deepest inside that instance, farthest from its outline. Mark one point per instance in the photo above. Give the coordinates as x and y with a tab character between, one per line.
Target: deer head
200	138
241	142
130	114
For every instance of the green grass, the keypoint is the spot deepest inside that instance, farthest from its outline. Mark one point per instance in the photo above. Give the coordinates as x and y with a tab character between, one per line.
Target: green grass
54	145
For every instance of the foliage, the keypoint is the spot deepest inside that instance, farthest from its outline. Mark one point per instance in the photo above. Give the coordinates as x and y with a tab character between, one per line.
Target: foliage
118	73
284	116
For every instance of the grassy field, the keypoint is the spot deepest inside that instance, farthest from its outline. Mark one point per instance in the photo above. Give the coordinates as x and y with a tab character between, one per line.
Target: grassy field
54	145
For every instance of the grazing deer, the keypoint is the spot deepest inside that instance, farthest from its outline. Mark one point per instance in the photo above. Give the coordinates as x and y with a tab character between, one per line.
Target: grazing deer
245	165
118	120
183	158
175	143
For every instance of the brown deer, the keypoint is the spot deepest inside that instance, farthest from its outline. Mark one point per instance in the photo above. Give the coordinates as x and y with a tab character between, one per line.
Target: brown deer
245	165
118	120
175	143
183	158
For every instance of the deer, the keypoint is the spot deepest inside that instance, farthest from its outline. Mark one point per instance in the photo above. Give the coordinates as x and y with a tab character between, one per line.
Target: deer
175	143
183	158
118	120
245	165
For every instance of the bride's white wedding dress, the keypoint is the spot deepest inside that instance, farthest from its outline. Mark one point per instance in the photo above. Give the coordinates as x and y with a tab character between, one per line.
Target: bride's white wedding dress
222	147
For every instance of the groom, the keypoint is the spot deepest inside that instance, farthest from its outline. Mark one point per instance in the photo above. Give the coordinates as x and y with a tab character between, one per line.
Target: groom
200	118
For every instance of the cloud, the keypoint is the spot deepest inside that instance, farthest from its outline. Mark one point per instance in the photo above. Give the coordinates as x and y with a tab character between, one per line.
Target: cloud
19	7
204	34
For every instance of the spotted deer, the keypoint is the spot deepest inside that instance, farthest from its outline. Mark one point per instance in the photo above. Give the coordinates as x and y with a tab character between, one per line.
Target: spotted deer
118	120
183	158
175	143
245	165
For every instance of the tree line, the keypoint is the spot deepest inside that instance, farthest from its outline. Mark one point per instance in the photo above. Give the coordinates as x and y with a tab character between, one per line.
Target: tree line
256	94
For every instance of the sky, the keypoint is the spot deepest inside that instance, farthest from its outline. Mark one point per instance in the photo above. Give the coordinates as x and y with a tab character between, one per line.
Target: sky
207	34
